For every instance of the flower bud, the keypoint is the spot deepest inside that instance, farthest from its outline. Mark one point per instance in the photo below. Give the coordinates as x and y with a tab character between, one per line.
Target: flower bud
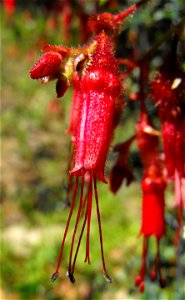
47	65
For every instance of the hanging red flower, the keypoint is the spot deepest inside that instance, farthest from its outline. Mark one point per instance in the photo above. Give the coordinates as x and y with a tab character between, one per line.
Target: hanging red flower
153	222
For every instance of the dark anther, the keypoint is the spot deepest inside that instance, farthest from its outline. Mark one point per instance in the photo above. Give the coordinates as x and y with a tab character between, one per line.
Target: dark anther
107	278
54	276
71	277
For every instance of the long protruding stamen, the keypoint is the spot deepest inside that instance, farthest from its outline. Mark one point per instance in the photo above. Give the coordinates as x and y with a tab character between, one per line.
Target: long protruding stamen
140	278
107	277
79	242
144	254
55	275
76	223
84	204
128	11
70	177
156	265
89	208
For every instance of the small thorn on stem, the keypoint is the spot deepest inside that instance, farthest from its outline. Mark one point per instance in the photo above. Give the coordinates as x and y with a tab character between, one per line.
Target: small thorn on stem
54	276
107	278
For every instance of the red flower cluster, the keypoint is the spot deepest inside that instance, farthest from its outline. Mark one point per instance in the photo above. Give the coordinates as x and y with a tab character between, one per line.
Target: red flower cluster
93	71
153	187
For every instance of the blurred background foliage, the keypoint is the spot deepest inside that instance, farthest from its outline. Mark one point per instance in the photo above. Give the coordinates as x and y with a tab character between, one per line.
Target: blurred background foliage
35	151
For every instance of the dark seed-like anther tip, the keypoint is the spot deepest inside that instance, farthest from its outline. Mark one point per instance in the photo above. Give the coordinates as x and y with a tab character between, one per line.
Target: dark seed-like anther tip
54	276
162	282
107	278
71	277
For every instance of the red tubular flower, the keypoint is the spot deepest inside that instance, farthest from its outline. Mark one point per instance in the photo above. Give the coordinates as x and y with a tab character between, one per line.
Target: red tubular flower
99	87
168	92
153	223
153	186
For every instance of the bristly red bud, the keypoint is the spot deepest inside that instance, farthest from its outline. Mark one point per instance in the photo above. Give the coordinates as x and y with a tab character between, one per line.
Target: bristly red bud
47	65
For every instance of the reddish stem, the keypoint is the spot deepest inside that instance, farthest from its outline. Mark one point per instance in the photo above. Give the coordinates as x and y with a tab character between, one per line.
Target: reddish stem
129	63
55	275
89	208
70	177
157	261
79	242
84	204
144	254
107	277
77	221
